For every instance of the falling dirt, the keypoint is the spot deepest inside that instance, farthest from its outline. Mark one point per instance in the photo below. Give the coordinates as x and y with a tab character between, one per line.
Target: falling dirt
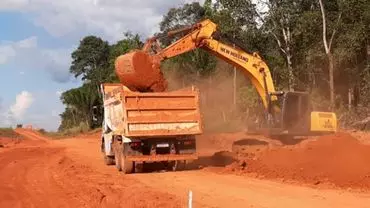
137	70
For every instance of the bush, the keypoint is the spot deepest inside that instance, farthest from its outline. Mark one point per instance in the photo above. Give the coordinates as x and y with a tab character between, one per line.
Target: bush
82	128
42	131
9	133
356	118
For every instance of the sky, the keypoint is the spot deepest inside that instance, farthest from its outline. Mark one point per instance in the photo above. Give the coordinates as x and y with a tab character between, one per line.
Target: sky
37	38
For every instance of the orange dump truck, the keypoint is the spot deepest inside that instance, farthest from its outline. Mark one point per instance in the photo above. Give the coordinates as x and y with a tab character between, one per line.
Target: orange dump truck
142	127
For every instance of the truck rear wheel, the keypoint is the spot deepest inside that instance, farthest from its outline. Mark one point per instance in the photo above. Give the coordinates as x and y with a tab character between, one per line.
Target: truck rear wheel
117	157
122	164
126	165
177	165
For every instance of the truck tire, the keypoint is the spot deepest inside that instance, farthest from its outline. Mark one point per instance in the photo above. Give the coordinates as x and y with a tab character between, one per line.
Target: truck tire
120	160
126	165
117	159
177	165
108	160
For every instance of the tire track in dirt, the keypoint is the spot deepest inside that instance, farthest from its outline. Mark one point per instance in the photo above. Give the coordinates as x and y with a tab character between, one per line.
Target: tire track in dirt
39	173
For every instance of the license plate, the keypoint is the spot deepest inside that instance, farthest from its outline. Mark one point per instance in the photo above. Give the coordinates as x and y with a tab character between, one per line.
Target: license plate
163	145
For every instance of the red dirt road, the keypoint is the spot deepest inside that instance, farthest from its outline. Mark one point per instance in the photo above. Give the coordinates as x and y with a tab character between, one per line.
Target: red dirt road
70	173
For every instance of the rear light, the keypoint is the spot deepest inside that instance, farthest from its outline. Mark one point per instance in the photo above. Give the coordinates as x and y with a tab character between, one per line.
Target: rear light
135	144
190	142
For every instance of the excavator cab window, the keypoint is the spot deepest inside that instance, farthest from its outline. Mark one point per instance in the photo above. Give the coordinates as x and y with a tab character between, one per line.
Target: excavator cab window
296	112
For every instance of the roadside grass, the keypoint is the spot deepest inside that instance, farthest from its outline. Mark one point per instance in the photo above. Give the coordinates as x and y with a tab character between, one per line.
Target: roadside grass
72	132
9	133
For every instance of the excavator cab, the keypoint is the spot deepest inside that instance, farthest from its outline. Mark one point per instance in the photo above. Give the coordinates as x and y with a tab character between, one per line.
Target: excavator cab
298	119
296	109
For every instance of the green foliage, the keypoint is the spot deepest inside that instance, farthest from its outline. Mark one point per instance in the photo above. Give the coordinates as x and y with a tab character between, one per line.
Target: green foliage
42	131
237	23
93	61
248	99
90	59
195	63
319	101
79	103
9	133
365	87
185	15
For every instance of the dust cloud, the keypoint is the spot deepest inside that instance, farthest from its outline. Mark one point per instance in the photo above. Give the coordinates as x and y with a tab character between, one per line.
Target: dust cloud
220	112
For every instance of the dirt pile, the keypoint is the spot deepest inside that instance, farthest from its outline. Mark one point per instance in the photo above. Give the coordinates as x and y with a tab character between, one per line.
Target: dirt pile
340	160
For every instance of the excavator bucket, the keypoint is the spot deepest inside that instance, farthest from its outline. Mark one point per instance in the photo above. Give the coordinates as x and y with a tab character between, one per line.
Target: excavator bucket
139	72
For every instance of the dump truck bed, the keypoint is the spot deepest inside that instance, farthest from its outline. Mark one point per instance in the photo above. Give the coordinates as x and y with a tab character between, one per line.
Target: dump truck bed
137	114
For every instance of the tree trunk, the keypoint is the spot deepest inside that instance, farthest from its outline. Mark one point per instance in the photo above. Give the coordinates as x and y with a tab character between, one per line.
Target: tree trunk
350	98
290	72
224	116
368	54
74	117
329	54
331	80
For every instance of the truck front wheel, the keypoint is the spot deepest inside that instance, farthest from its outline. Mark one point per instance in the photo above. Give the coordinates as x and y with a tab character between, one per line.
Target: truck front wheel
108	160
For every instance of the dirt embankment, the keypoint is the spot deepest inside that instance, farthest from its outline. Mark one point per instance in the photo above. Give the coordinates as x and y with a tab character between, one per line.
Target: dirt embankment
9	137
340	160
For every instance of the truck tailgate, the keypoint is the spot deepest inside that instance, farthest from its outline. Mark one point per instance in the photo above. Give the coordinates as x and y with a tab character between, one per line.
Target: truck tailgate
155	114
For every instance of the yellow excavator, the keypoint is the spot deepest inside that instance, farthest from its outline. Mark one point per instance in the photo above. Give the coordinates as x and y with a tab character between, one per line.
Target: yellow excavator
287	113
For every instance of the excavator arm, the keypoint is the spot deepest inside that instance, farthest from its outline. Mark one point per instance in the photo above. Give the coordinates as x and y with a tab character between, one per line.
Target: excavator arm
201	36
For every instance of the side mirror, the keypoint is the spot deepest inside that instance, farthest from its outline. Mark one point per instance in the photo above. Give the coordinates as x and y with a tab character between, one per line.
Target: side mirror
95	113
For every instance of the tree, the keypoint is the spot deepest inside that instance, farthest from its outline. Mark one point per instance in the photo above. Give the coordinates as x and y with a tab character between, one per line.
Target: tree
281	21
351	49
93	61
79	104
180	17
237	26
90	60
123	46
328	51
196	62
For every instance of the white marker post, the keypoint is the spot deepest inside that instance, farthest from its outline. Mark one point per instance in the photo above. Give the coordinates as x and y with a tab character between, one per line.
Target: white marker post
190	202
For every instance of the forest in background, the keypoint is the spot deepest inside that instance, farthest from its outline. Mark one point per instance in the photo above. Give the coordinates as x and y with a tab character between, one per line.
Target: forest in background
312	45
